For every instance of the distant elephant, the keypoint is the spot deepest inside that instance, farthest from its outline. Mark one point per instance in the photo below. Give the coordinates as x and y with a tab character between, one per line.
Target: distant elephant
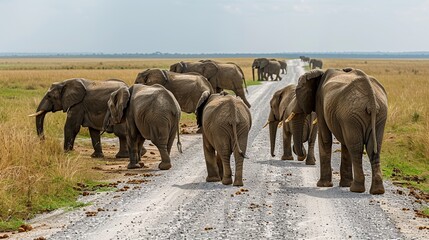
283	103
266	68
304	58
220	75
316	63
353	107
85	102
190	89
150	112
283	66
226	125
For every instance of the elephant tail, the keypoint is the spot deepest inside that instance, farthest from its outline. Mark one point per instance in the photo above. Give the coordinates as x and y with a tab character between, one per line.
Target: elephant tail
234	122
179	144
372	109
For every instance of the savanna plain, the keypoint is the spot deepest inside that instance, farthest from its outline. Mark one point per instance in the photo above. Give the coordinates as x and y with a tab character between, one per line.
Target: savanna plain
37	176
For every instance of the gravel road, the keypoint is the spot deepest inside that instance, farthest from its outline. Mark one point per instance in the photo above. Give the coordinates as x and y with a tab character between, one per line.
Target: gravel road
279	199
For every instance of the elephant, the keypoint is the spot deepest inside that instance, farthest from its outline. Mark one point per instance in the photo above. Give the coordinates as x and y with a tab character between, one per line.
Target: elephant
282	104
304	58
85	102
150	112
266	68
283	66
316	63
190	89
226	125
352	106
220	75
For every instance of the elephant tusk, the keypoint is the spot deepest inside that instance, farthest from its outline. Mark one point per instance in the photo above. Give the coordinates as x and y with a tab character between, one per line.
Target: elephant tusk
36	114
280	124
266	124
290	117
315	121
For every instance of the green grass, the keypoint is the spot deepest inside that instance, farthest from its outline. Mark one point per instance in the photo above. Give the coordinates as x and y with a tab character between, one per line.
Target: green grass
10	225
252	83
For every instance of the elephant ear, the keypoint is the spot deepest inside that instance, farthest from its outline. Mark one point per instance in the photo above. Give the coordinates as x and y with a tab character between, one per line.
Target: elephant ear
117	104
264	63
175	67
142	77
210	69
72	93
200	106
306	90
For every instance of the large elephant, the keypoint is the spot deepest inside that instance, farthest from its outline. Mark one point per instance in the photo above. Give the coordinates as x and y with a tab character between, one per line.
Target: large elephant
266	68
283	66
283	103
85	102
353	107
220	75
316	63
150	112
226	125
190	89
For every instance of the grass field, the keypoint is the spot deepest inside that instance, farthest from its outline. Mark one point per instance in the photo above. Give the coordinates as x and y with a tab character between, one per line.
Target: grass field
37	176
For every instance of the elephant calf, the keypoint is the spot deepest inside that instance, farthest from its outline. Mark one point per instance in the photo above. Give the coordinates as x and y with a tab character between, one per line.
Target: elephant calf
226	125
150	112
352	106
283	103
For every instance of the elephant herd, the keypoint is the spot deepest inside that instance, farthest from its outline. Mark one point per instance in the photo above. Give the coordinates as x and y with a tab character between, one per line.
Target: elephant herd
266	68
312	62
345	103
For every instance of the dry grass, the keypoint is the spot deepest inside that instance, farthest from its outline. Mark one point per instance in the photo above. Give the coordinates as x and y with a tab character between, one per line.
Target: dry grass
37	176
406	140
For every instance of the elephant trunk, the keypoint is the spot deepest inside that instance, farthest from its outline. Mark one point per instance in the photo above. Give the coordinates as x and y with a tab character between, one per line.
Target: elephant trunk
297	132
253	73
44	107
273	132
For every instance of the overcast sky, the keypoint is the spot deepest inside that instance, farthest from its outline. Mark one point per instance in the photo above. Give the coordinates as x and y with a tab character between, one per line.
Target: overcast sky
213	26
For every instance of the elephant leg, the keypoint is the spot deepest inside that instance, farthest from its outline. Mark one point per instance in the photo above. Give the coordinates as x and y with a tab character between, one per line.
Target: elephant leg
142	149
71	129
346	175
325	149
358	183
311	159
287	150
210	157
239	160
120	132
219	165
377	181
165	157
227	173
96	143
134	144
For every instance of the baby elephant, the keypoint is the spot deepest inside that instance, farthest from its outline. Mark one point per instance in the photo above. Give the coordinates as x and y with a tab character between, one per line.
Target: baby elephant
283	103
150	112
226	123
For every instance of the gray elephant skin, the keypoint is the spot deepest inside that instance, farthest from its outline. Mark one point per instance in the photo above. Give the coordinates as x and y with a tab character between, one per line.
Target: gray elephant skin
226	125
220	75
352	106
282	104
191	90
283	66
150	112
85	102
316	63
266	68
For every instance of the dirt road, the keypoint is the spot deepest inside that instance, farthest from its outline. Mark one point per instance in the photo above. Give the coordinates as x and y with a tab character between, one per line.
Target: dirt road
279	199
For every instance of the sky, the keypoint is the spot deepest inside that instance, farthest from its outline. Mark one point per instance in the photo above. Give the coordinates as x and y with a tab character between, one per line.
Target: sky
213	26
